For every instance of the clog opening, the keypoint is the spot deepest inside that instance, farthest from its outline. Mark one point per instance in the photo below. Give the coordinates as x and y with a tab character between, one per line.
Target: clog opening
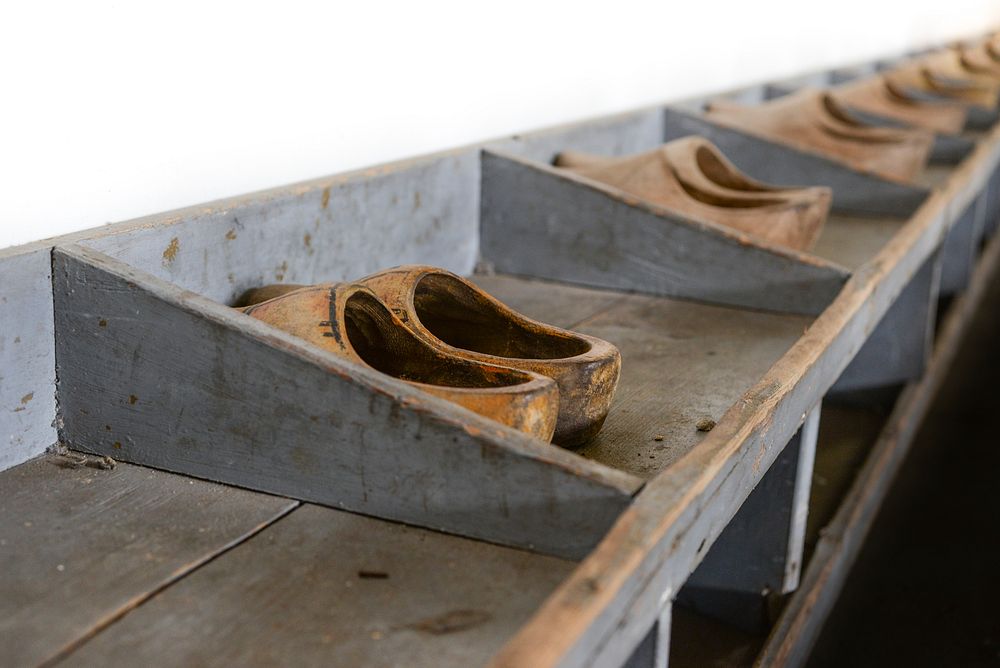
462	317
721	200
385	345
722	174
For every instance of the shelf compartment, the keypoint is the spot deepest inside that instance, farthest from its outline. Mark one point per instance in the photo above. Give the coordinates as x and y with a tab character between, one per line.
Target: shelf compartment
156	375
549	223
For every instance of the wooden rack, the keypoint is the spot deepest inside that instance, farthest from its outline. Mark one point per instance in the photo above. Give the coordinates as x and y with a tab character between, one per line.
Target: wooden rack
272	502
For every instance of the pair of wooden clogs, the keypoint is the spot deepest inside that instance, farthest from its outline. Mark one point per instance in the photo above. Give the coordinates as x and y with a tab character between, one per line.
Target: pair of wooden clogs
890	97
692	177
447	337
814	120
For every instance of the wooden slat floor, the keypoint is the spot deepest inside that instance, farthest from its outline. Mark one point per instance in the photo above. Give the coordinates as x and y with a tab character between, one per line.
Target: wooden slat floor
81	546
134	566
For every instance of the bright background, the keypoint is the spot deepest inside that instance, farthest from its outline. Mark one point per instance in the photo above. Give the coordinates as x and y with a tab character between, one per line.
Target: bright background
112	110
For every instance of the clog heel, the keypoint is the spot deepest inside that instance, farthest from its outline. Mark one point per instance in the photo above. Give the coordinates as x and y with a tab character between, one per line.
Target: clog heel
350	321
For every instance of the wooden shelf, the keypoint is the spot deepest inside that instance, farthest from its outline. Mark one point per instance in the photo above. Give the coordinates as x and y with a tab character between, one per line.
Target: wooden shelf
682	362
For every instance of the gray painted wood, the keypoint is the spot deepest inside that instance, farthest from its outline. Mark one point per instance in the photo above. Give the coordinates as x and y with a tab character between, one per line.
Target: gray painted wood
758	556
548	223
158	376
654	650
80	545
682	363
981	118
622	134
898	349
850	241
854	193
419	211
844	74
800	623
654	546
323	587
27	355
992	211
960	248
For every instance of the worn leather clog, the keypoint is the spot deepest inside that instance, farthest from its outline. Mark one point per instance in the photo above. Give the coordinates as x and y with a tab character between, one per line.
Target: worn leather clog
691	176
451	314
880	96
813	120
350	321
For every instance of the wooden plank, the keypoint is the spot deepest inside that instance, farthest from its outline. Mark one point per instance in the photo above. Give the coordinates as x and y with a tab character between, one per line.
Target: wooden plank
607	606
418	211
325	587
898	348
850	241
547	223
158	376
799	624
758	556
854	193
80	546
27	355
682	363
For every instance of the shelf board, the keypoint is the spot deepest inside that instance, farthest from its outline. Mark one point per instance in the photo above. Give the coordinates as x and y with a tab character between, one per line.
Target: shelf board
850	241
327	587
80	546
682	362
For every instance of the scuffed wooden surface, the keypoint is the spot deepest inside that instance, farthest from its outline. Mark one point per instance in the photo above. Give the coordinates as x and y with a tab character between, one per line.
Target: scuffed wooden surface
27	355
81	545
327	588
682	362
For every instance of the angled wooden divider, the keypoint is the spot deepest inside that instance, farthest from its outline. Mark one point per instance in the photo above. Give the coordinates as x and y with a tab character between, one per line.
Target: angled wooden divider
155	375
540	221
854	192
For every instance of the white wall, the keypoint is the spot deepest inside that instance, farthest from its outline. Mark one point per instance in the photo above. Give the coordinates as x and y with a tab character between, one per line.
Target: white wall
112	110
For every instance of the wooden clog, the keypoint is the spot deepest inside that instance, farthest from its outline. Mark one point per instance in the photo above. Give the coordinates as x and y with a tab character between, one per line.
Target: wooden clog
980	60
881	97
691	176
453	315
813	120
929	78
350	321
